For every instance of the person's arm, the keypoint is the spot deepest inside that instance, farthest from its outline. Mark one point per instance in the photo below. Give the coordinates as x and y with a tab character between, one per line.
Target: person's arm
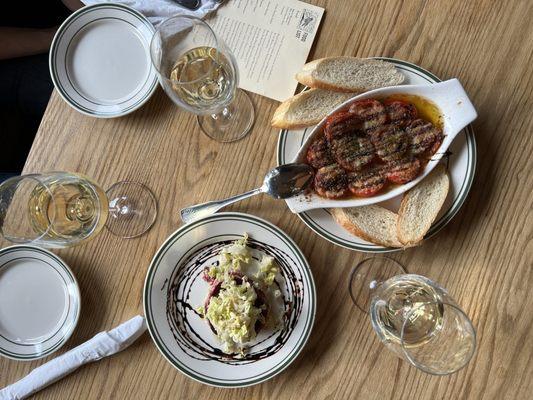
73	5
20	42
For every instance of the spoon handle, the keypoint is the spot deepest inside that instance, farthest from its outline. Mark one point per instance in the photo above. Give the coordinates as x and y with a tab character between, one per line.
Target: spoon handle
190	214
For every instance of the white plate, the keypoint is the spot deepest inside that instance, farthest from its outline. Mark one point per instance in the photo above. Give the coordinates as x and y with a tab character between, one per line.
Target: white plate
39	302
174	288
100	60
461	162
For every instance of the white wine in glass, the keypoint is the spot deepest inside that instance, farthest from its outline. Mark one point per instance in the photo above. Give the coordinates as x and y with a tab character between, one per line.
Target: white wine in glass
211	91
413	316
399	298
77	208
199	73
62	209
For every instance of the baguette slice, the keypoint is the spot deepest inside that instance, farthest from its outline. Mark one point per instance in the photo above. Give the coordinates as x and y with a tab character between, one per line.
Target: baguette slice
372	223
349	74
421	205
307	108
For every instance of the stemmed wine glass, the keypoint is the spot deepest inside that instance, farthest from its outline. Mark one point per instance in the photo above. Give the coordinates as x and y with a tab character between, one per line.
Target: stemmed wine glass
413	316
199	73
63	209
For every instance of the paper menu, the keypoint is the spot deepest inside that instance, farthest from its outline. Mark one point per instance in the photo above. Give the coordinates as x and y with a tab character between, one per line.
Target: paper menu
270	40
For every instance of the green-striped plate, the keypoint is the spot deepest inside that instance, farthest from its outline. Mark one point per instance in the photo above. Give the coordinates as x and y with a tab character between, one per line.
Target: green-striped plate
461	163
39	302
100	60
174	288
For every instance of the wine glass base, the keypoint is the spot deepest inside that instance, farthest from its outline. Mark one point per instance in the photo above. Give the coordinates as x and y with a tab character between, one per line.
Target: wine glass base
231	124
132	209
368	275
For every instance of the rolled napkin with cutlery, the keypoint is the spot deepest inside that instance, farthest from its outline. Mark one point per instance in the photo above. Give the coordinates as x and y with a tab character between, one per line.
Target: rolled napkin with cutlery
102	345
159	10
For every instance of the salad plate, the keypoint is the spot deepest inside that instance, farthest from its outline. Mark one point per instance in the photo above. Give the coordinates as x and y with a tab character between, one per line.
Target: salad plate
39	302
100	61
175	293
460	160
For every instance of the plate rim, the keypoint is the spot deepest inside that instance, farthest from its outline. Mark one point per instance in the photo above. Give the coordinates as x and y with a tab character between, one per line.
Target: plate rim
307	270
76	298
58	37
436	226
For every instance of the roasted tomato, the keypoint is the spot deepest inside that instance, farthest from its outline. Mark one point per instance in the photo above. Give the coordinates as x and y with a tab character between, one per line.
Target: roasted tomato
370	112
352	152
367	183
436	145
422	135
399	112
403	171
318	154
390	142
331	182
341	124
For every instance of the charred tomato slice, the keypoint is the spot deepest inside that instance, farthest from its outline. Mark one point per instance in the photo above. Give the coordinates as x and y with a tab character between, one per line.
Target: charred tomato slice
331	182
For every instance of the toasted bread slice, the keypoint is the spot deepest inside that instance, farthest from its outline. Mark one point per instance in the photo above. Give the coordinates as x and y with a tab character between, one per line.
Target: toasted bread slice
307	108
349	74
372	223
421	205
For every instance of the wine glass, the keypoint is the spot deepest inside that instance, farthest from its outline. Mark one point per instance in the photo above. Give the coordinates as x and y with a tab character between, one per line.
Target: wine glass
199	73
62	209
413	316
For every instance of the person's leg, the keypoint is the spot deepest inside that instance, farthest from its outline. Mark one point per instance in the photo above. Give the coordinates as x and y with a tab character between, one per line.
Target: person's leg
26	86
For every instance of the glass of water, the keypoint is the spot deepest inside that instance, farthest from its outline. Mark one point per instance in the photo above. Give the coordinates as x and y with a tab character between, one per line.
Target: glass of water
199	73
413	316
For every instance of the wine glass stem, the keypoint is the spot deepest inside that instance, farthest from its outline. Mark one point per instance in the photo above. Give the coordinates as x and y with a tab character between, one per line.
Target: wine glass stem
224	115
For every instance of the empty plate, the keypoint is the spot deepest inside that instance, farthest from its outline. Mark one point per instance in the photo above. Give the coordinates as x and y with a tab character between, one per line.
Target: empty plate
100	61
39	302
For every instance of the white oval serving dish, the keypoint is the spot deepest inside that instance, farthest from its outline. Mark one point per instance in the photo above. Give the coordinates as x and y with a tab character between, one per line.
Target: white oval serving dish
457	112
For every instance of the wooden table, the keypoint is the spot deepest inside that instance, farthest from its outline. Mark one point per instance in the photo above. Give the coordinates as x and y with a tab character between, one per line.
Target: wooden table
484	256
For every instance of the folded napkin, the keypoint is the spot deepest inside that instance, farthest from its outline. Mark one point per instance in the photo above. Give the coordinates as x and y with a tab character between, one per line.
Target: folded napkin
159	10
102	345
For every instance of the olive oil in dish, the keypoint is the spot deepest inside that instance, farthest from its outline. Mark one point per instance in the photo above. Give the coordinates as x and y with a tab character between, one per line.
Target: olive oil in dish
426	108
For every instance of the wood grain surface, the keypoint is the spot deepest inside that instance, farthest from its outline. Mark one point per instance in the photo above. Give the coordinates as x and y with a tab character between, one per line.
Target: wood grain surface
483	257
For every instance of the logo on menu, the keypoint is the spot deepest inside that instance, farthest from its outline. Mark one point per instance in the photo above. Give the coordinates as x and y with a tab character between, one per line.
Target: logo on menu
306	25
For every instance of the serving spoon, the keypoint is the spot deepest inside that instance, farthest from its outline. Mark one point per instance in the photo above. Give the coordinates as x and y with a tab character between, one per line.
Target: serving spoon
281	182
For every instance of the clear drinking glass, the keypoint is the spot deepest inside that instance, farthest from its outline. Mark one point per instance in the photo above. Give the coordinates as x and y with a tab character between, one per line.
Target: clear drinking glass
413	316
199	73
62	209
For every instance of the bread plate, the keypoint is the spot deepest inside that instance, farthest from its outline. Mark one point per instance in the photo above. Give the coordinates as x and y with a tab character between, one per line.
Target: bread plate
460	162
457	111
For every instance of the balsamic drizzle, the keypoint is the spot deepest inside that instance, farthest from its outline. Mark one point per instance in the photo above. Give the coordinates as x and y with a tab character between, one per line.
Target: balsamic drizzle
179	310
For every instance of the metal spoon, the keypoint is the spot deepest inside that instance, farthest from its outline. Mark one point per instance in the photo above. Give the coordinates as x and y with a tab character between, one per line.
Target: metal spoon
281	182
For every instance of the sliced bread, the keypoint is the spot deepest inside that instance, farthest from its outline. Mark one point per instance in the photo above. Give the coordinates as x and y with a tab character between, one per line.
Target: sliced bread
421	205
307	108
372	223
349	74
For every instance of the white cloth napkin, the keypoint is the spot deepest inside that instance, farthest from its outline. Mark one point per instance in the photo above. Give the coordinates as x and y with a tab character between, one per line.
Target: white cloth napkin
102	345
159	10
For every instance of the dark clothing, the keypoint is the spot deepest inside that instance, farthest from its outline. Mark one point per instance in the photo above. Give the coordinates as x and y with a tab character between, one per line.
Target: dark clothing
25	84
34	14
